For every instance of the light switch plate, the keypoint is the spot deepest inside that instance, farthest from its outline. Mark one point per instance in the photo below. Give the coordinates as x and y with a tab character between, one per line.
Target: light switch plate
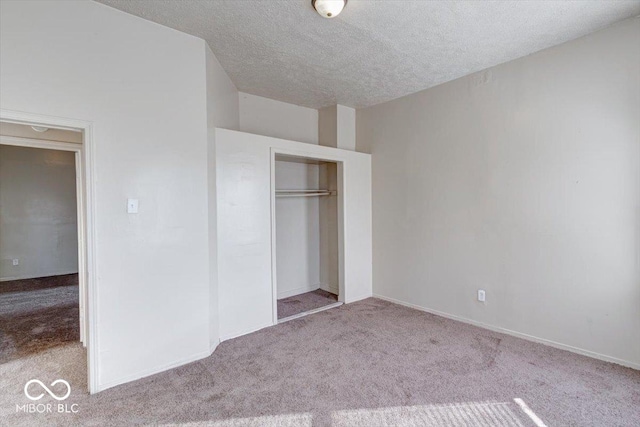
132	206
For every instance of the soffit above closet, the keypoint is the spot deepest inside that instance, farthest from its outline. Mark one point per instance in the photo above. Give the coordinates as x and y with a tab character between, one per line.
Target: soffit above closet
374	51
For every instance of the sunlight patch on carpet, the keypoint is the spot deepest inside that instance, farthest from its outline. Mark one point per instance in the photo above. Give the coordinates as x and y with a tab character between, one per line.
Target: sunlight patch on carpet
448	415
287	420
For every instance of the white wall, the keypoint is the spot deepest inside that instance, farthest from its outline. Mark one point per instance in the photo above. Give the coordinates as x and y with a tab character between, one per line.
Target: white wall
523	180
144	88
38	224
264	116
222	96
297	230
328	126
223	112
243	168
346	127
329	244
337	127
297	218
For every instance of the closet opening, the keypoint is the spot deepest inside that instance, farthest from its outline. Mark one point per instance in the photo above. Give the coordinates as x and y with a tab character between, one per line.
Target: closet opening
307	245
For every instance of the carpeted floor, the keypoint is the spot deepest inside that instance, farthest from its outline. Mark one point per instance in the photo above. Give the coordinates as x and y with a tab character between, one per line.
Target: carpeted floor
370	363
304	302
38	314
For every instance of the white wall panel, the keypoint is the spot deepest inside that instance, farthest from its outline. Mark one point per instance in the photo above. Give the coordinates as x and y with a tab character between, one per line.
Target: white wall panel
222	111
244	226
264	116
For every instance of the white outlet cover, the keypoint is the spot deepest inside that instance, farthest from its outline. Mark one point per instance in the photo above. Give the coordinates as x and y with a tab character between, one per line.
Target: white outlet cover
481	295
132	206
15	262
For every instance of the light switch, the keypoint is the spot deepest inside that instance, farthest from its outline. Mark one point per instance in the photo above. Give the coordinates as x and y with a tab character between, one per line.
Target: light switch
132	206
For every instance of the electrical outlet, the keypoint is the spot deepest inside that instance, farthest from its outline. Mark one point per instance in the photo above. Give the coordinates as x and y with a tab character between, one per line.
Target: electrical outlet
481	295
15	262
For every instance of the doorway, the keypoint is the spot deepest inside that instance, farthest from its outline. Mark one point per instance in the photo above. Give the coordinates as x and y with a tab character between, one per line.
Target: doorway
306	234
56	290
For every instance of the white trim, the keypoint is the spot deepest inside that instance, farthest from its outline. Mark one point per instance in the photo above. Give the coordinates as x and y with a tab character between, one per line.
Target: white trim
82	249
91	253
86	220
359	298
274	276
22	118
342	235
40	143
306	313
156	370
241	333
39	276
516	334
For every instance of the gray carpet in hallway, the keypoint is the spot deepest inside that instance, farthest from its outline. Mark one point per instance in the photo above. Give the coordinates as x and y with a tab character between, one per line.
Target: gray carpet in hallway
38	314
369	363
304	302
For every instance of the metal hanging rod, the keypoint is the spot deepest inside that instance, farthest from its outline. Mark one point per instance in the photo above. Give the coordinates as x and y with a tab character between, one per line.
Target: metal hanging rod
304	193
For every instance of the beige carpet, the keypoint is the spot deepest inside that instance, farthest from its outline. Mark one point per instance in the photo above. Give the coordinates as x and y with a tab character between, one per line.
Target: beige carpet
304	302
370	363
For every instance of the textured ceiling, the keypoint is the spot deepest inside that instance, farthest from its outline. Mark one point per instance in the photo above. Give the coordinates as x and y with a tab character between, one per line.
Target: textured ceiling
374	51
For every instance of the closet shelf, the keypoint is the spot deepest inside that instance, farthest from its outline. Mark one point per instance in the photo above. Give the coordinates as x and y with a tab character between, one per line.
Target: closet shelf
304	193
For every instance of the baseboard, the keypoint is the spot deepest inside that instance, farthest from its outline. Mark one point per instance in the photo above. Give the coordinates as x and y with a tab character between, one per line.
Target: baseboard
37	276
152	371
213	346
516	334
297	291
306	313
239	334
304	289
360	298
329	288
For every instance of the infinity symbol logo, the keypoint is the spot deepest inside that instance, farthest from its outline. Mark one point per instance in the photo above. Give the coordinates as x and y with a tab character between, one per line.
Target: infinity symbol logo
52	394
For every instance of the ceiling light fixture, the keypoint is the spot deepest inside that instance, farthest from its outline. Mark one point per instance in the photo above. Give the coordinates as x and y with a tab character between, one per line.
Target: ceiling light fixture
39	129
328	8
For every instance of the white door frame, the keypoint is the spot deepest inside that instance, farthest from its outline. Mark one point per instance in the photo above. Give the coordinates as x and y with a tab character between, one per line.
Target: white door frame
340	161
85	190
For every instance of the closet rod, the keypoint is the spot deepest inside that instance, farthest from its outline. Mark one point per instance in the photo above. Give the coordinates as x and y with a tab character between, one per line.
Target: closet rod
304	193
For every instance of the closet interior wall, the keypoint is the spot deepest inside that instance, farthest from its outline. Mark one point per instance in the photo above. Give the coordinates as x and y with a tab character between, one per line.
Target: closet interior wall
306	228
329	267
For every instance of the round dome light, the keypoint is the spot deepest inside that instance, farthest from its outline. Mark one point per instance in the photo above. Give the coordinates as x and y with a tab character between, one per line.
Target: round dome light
328	8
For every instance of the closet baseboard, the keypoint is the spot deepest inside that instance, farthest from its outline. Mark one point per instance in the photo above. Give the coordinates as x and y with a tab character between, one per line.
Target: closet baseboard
306	313
297	291
329	288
